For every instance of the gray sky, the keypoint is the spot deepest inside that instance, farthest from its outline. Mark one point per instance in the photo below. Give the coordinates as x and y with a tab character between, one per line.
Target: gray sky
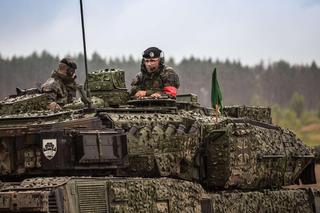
245	30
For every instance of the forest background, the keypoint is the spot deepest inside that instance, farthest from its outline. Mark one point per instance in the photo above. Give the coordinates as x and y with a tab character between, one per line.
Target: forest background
292	91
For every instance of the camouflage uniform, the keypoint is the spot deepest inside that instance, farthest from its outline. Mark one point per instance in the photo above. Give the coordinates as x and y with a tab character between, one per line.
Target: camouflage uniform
61	89
154	82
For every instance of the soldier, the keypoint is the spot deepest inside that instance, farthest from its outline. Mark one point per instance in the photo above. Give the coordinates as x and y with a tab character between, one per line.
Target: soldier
61	87
155	78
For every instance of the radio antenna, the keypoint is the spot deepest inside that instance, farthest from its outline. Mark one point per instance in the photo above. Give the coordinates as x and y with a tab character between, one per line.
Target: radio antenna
84	50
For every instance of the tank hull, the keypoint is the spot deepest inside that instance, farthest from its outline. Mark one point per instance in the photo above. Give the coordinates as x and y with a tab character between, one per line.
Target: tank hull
149	155
115	194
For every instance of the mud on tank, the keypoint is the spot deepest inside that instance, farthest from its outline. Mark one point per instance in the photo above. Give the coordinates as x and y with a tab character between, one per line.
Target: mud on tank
148	155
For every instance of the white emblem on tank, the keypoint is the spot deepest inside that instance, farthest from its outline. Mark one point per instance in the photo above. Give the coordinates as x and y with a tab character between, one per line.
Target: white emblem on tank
49	148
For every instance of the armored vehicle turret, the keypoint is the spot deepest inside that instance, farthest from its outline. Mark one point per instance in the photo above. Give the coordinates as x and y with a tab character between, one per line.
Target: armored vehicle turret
148	155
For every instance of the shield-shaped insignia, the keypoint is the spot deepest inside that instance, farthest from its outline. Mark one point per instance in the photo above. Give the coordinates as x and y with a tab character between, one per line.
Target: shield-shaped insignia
49	148
151	54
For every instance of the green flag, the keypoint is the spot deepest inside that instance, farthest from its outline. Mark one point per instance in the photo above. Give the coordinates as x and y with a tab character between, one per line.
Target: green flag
216	95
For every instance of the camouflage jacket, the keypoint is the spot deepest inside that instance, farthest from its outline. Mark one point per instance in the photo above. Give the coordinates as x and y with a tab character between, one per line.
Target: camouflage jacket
60	89
155	81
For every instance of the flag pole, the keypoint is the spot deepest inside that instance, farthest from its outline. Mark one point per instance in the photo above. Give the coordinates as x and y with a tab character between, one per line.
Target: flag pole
217	112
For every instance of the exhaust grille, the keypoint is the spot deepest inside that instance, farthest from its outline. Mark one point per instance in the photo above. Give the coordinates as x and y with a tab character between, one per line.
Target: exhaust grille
92	197
53	208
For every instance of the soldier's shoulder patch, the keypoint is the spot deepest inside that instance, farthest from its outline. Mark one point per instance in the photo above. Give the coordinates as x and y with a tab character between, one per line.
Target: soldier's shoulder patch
168	71
170	77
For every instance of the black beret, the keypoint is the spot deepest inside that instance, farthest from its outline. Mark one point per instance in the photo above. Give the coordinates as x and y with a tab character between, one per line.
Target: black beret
152	52
69	63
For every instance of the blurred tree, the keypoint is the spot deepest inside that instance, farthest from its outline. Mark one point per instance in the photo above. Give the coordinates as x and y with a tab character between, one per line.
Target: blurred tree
96	62
297	103
257	100
291	120
276	113
313	66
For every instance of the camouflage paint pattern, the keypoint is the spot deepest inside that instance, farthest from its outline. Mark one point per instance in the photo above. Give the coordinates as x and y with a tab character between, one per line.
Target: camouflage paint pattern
249	156
108	85
299	200
262	114
126	195
106	80
23	104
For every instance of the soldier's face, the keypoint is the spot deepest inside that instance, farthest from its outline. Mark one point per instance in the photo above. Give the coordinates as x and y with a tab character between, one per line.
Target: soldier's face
63	69
152	64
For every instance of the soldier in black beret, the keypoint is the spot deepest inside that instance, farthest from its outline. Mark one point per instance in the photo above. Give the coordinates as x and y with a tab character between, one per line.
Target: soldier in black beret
61	86
155	78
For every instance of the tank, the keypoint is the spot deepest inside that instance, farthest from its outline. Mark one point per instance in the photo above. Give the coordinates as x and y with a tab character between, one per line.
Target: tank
148	155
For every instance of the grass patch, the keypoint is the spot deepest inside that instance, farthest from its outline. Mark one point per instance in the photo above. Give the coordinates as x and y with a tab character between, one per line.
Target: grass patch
306	127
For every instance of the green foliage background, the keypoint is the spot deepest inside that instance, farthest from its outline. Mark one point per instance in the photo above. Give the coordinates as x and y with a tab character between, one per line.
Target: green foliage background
305	123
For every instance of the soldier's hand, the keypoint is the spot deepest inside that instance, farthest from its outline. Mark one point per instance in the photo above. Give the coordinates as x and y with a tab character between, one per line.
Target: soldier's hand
156	95
141	93
53	106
